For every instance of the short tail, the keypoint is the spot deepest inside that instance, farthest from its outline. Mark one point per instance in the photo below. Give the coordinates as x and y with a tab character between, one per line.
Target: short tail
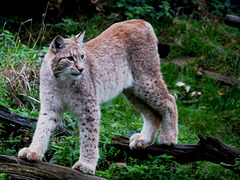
163	50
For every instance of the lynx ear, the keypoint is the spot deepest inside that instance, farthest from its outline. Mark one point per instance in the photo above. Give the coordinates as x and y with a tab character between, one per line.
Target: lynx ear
58	44
80	36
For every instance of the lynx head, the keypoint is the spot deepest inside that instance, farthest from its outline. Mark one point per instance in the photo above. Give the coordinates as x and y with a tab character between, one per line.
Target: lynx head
69	57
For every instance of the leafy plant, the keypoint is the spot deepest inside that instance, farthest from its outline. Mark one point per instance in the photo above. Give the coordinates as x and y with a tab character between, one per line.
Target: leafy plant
165	10
2	176
19	65
162	167
9	145
66	151
224	7
69	27
151	11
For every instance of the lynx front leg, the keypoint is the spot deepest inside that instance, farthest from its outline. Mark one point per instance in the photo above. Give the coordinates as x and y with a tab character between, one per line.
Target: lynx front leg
45	126
89	134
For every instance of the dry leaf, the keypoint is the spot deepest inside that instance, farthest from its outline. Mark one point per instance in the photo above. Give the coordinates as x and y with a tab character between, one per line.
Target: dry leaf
220	93
234	41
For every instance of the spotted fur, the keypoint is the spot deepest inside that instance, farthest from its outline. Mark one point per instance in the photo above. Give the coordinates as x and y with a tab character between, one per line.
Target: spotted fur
79	77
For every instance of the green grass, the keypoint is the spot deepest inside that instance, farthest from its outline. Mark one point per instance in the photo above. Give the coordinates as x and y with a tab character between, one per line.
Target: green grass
19	67
216	112
203	39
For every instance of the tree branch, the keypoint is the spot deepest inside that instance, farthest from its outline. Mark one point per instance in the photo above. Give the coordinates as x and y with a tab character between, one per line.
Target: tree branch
232	20
207	149
13	121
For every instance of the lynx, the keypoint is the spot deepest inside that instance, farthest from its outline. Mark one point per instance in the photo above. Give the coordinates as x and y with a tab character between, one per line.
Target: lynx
79	76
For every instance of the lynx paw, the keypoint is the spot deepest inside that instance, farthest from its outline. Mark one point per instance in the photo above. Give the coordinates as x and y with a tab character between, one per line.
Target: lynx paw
84	167
167	139
26	153
136	142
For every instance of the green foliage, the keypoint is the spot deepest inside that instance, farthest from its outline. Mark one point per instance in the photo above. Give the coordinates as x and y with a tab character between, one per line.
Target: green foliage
207	170
64	27
149	10
163	11
93	25
223	7
114	115
211	43
70	122
198	113
162	167
14	53
2	176
19	66
9	145
66	151
235	167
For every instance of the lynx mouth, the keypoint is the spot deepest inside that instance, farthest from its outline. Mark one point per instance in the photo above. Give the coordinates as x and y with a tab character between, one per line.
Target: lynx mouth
75	74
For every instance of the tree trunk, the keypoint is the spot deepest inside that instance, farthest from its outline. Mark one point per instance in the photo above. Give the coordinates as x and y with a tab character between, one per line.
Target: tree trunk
20	169
207	149
232	20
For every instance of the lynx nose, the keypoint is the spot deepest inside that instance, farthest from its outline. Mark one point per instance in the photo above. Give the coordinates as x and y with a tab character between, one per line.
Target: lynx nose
81	70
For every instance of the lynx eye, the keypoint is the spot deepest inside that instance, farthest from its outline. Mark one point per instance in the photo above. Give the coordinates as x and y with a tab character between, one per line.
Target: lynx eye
70	58
82	56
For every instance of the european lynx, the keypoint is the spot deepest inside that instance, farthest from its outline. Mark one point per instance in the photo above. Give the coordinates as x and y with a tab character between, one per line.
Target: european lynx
79	77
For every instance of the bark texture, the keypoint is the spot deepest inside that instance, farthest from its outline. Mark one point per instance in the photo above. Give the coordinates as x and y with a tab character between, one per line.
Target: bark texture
232	20
20	169
207	149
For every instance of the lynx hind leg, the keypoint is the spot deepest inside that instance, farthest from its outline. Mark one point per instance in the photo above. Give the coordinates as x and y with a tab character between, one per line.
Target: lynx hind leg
169	131
155	93
151	124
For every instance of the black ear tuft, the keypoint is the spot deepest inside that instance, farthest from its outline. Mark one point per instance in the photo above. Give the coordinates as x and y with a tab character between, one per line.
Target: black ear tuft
163	50
58	44
83	31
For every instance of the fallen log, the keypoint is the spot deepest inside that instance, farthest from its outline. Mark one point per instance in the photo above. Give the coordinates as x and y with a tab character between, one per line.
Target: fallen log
232	20
223	79
21	169
13	121
207	149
